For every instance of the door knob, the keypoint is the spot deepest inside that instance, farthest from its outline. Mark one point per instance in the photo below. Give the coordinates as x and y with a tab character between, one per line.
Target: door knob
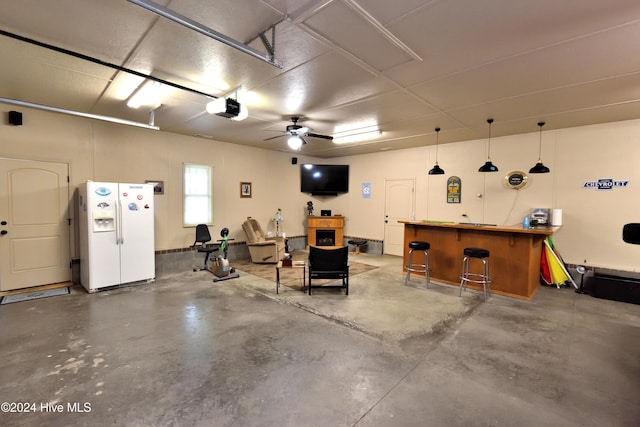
3	232
3	223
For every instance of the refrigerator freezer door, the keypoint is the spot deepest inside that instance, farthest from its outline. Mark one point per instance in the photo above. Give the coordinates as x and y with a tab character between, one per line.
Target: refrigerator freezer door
100	258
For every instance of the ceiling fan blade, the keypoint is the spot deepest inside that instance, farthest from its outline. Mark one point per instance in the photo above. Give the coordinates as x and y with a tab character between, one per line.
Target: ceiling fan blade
316	135
273	137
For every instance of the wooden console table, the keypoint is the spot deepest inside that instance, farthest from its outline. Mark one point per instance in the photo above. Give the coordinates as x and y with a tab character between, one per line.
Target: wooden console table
315	223
514	262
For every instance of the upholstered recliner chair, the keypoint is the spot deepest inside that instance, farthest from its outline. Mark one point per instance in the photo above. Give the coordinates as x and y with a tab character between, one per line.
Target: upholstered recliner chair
263	249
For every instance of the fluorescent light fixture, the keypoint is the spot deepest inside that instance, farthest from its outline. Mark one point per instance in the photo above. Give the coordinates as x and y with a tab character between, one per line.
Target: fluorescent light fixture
147	95
294	142
127	84
354	132
355	137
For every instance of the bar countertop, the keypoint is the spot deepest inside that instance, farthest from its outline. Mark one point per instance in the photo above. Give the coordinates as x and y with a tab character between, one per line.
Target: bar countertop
547	231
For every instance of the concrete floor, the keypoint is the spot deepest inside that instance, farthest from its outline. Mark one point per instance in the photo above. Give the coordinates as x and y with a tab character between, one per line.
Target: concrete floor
187	351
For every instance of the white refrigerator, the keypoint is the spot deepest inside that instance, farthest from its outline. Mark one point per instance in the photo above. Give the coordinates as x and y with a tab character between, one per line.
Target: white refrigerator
116	234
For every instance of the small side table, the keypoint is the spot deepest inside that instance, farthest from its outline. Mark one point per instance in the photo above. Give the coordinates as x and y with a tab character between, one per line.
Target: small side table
294	264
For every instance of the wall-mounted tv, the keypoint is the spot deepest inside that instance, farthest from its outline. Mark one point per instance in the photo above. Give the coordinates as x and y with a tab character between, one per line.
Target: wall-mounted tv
324	180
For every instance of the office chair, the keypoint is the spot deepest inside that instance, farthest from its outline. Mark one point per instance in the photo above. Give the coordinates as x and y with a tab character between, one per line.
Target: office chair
201	243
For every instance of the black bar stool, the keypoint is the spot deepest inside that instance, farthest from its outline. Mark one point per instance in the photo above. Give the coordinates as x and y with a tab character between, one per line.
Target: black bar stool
418	268
482	279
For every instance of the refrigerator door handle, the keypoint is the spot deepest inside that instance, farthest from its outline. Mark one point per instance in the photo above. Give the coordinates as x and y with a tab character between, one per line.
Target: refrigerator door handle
117	224
120	222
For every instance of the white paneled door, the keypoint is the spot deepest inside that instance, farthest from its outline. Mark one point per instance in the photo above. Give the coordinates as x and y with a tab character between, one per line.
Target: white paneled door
34	226
399	205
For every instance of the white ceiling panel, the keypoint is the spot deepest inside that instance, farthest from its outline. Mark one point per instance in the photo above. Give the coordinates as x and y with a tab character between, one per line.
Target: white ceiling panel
104	29
537	106
29	73
348	29
575	62
458	35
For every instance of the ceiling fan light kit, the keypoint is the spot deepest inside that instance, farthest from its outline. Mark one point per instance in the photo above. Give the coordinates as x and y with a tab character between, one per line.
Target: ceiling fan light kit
295	142
297	134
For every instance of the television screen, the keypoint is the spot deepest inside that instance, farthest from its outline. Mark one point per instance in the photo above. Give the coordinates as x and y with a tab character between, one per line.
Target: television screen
324	179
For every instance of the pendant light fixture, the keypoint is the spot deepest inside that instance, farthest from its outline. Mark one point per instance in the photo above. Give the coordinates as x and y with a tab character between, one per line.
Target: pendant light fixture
436	170
539	167
488	166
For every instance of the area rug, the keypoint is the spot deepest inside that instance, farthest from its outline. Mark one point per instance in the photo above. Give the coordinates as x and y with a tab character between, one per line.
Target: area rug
292	277
28	296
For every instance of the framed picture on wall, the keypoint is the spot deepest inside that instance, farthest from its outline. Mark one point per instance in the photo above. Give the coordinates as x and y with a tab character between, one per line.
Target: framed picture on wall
158	186
245	189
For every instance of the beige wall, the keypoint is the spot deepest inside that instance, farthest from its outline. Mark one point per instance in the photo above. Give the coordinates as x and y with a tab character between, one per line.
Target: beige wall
593	219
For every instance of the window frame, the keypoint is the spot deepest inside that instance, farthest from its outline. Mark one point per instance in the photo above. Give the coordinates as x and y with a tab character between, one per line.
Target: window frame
190	194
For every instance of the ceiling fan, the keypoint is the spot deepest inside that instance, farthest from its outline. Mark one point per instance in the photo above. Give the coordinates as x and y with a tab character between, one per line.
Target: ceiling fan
298	133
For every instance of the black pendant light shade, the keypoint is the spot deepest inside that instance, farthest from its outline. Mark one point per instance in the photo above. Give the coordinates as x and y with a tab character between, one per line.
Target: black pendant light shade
488	166
436	170
539	167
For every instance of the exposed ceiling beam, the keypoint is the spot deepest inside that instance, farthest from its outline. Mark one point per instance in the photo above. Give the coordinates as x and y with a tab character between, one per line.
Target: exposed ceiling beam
203	29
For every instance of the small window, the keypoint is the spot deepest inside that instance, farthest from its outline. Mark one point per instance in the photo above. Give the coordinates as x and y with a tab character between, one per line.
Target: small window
198	201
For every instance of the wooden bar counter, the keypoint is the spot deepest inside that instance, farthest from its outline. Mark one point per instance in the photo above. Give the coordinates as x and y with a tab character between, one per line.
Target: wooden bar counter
514	261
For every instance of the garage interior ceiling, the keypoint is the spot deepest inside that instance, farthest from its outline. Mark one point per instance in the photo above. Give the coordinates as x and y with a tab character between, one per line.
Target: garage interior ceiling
408	66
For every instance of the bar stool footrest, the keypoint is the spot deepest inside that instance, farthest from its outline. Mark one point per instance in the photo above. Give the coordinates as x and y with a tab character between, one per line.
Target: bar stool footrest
479	281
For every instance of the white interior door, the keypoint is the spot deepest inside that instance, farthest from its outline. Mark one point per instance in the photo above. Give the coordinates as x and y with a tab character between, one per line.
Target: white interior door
34	239
399	205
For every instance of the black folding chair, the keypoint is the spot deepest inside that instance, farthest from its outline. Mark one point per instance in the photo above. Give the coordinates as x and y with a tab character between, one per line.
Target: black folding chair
329	264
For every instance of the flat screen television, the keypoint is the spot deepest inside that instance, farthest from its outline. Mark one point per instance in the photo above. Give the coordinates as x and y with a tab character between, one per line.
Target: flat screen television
324	180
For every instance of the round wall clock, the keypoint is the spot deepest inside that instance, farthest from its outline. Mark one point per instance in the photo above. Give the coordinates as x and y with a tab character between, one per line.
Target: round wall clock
516	179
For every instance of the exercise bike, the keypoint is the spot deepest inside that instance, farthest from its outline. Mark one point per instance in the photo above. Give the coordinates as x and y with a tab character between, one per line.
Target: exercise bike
220	264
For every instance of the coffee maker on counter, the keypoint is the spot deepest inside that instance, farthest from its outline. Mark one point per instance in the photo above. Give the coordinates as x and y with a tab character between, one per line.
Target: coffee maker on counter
540	217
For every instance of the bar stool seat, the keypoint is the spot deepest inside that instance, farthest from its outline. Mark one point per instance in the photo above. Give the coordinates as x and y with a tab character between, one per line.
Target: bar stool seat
418	268
476	252
478	278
